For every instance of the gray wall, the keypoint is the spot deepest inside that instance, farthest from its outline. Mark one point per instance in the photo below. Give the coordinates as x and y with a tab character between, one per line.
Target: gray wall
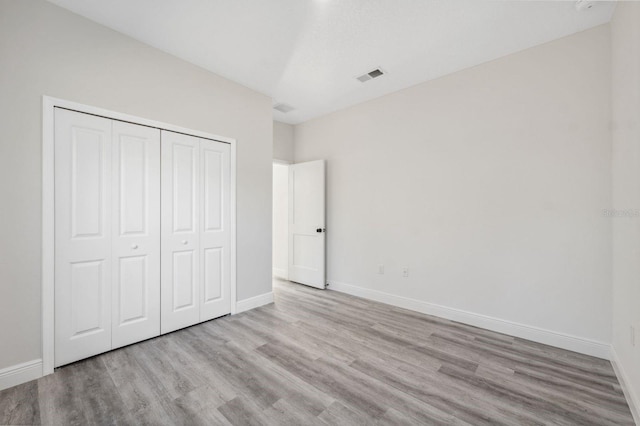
46	50
625	37
283	146
488	184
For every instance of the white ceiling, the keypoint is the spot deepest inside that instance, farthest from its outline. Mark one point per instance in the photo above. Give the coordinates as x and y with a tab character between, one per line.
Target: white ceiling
307	53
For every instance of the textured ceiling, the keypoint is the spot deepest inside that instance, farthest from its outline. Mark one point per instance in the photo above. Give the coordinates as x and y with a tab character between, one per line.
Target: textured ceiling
307	53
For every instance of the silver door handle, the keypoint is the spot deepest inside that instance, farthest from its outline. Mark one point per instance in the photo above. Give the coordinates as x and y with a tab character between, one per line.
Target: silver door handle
134	246
184	242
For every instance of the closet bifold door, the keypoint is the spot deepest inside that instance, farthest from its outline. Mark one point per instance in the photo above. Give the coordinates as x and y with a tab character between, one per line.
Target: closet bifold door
195	230
180	244
215	234
136	233
83	264
107	234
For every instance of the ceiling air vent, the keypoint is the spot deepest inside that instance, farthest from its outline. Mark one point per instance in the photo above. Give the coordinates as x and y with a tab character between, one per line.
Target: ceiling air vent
283	108
370	75
582	5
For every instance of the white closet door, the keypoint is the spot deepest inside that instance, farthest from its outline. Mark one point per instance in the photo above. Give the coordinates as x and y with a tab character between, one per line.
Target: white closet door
215	235
82	236
180	231
307	223
136	233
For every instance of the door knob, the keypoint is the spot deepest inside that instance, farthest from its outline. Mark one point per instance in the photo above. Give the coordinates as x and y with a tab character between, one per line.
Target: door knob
320	230
184	242
134	246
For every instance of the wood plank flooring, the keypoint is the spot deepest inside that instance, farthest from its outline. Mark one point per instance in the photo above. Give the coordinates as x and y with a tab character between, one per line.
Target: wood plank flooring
325	358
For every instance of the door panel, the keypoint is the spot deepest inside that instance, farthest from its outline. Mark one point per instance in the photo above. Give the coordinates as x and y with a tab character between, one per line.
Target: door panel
183	273
215	237
133	287
136	233
307	223
82	236
213	272
180	231
87	297
134	179
184	178
87	174
213	171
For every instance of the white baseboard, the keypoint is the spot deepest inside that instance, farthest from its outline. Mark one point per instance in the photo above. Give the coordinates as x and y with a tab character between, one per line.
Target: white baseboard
625	383
548	337
254	302
20	373
281	273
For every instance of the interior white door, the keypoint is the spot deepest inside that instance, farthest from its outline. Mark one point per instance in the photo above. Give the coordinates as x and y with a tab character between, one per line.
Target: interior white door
82	236
136	233
215	233
307	223
180	246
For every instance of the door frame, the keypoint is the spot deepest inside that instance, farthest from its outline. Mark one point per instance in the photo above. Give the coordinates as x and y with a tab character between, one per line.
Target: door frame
48	213
287	163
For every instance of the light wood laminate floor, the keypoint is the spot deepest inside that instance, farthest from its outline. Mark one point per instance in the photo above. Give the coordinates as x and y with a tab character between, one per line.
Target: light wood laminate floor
324	358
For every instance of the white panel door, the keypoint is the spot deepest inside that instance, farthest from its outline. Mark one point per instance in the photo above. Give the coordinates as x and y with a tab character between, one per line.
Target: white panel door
82	236
307	223
136	233
215	235
180	246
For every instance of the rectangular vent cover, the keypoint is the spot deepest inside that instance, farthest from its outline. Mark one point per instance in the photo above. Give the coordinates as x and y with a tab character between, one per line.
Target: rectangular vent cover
370	75
283	108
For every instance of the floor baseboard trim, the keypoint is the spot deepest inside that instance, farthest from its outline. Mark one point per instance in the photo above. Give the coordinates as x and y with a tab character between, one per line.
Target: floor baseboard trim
280	273
547	337
20	373
254	302
625	383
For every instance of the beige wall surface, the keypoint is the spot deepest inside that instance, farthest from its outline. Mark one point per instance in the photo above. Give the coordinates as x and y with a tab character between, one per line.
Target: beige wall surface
625	41
46	50
283	147
489	184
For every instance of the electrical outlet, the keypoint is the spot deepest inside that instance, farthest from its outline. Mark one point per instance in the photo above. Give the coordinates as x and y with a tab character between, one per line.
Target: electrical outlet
633	335
405	271
381	269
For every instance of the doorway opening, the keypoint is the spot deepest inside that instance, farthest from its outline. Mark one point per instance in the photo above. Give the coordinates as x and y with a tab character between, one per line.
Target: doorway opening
299	232
280	230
